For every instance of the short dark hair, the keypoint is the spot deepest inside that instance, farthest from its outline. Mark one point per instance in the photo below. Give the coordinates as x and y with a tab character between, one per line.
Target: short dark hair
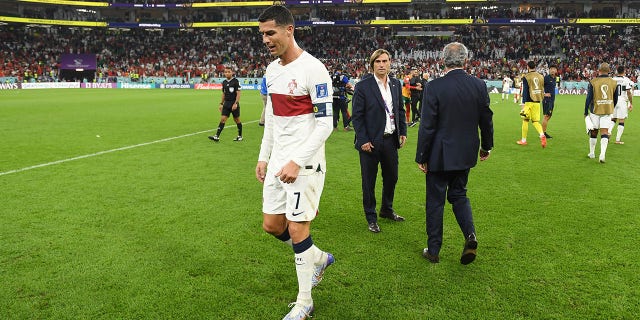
531	64
553	66
279	14
620	69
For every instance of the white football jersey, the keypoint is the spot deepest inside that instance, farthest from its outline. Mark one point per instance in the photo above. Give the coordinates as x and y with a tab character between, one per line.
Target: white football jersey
298	114
506	83
624	84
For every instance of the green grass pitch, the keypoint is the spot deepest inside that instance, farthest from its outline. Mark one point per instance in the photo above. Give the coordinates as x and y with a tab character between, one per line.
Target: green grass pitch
103	216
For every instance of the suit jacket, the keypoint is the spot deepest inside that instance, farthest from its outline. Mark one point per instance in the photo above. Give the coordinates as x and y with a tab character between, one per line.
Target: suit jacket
369	112
453	108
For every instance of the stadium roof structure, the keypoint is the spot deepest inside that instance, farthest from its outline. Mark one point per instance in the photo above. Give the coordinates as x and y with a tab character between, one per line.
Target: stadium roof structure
414	22
203	4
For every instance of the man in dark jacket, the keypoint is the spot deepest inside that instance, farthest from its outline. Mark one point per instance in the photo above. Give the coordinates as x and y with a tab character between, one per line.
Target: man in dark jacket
378	120
454	107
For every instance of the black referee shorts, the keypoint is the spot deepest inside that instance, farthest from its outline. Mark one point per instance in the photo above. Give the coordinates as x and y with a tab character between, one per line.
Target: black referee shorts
226	109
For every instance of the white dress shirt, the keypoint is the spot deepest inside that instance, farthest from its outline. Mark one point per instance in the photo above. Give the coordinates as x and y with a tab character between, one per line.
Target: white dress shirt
390	126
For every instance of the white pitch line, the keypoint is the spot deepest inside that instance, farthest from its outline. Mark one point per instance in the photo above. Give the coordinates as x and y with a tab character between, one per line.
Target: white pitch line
105	152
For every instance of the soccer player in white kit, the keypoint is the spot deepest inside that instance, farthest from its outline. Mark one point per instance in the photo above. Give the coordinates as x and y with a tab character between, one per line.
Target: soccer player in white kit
506	87
624	105
602	96
291	164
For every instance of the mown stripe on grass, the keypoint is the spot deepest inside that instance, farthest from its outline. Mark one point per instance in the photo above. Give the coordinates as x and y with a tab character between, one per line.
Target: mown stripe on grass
102	152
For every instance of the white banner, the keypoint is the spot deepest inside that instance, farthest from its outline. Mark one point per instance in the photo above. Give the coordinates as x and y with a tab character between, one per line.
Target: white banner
9	86
51	85
127	85
573	91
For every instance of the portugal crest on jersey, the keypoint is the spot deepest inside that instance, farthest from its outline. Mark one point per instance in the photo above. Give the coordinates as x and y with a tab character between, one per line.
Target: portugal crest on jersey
292	86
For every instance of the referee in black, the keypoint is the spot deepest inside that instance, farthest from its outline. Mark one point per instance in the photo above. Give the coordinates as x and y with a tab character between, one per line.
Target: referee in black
230	104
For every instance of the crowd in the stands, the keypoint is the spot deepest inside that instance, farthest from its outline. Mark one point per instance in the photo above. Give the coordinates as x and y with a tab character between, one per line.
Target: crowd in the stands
35	52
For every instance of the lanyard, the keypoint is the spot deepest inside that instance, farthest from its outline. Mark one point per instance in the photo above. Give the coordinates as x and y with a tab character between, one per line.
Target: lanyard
386	106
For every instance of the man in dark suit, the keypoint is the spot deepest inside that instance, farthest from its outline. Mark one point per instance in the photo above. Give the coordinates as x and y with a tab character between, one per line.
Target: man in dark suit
378	120
454	107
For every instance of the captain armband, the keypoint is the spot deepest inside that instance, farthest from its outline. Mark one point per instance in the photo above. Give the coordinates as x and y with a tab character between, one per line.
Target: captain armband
323	109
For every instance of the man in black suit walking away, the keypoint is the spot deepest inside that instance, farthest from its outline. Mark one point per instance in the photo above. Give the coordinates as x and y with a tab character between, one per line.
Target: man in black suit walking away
454	107
378	120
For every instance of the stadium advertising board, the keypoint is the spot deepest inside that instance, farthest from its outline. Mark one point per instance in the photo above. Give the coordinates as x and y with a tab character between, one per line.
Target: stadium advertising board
127	85
606	21
250	87
287	2
100	85
420	21
231	4
221	24
143	25
51	85
208	86
175	86
53	22
573	91
327	23
9	86
78	62
150	5
518	21
379	1
70	2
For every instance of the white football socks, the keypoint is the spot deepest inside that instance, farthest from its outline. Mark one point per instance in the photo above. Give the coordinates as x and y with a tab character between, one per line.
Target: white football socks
604	142
619	132
317	255
305	263
592	145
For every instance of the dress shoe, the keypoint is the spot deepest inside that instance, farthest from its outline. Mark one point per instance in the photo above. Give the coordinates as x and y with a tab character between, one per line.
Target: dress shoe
428	256
373	227
469	251
391	215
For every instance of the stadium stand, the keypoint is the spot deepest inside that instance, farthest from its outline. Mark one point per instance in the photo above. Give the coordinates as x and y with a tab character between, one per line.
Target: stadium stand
31	52
35	51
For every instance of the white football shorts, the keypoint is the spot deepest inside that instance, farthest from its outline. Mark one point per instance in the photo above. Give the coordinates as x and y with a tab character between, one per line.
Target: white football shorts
598	121
299	200
620	112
